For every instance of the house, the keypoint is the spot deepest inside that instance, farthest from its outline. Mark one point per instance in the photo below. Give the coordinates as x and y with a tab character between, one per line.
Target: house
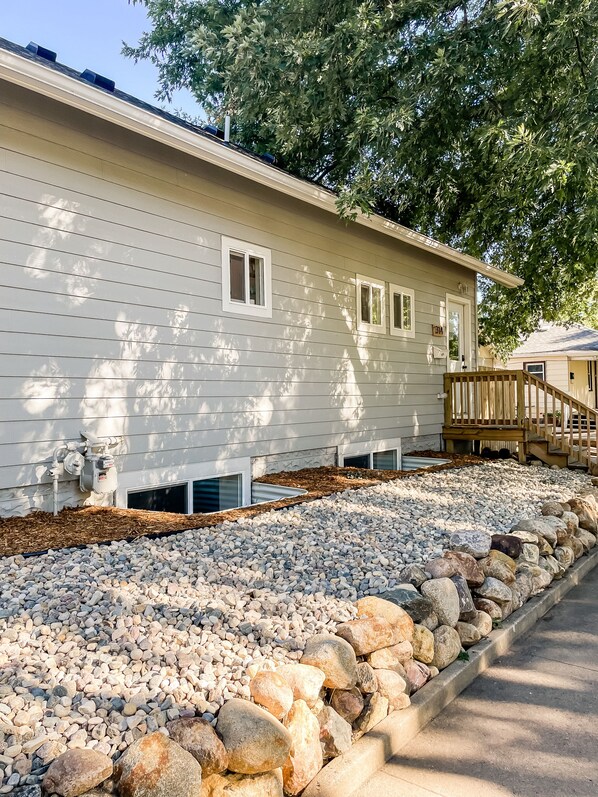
210	312
565	356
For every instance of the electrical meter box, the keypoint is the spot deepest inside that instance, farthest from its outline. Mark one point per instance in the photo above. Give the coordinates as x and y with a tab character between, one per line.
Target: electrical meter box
99	474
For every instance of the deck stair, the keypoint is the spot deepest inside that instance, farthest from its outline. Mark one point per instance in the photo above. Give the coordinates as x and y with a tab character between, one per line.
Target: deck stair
515	406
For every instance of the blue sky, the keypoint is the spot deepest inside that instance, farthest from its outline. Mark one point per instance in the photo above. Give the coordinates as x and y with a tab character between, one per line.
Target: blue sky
89	34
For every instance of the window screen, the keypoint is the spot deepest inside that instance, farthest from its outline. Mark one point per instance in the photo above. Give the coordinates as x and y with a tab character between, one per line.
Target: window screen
160	499
237	277
214	495
384	460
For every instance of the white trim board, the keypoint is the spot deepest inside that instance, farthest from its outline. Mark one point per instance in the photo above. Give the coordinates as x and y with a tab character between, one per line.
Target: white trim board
101	104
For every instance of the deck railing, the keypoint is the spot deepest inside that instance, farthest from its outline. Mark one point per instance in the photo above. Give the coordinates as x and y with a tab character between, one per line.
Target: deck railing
519	400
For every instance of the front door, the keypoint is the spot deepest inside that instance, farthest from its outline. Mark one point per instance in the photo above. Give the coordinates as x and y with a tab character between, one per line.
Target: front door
457	334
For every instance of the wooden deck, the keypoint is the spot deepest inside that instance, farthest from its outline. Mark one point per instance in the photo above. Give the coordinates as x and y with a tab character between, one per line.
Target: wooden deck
517	407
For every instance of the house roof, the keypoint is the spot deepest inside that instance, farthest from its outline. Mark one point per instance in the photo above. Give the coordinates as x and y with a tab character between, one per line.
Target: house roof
554	339
64	84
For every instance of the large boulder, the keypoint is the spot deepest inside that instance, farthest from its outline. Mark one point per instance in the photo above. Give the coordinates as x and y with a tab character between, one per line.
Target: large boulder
546	527
335	657
335	733
255	741
466	566
270	690
388	658
367	634
399	619
587	539
552	508
394	688
468	634
443	595
524	583
441	568
466	607
366	678
447	646
305	681
348	703
417	674
530	553
77	771
494	590
571	522
305	758
586	510
489	607
504	558
423	644
507	544
413	574
155	766
413	602
475	543
268	784
483	622
375	710
494	568
196	736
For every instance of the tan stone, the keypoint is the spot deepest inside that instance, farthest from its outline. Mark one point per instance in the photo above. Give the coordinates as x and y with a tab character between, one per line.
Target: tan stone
423	644
400	620
447	646
388	658
305	759
335	733
155	766
467	566
77	771
367	634
366	678
270	690
197	737
495	568
335	657
305	681
483	622
417	674
506	560
393	688
489	607
268	784
375	711
255	741
468	634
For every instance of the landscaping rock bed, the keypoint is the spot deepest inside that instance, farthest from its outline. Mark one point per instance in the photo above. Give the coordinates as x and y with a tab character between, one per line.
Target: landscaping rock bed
123	650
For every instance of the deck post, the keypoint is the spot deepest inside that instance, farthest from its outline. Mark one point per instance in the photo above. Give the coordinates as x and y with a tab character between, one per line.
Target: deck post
520	400
448	401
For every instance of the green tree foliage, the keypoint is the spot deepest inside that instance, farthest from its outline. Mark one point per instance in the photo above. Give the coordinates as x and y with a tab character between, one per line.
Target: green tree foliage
471	121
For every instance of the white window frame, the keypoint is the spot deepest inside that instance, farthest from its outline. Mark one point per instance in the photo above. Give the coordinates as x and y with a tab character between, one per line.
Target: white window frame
400	290
369	448
134	481
372	283
229	245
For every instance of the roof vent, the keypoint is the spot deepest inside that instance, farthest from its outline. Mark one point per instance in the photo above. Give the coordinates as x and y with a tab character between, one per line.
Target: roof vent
214	131
268	158
98	80
42	52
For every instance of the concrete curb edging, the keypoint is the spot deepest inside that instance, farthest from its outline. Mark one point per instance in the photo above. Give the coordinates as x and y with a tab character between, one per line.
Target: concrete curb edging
344	775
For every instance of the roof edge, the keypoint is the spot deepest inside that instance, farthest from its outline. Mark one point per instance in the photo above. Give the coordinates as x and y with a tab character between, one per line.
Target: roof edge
43	80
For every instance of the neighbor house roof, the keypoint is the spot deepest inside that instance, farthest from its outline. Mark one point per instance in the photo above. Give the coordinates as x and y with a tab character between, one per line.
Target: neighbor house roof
554	339
24	68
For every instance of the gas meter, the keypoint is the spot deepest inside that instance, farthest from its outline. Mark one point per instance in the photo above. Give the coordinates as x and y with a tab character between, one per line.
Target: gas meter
99	474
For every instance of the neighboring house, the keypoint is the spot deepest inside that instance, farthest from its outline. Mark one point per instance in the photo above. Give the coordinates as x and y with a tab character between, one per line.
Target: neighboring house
212	311
565	356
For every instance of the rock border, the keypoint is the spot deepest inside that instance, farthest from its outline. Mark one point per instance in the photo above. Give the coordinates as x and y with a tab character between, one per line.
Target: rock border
344	775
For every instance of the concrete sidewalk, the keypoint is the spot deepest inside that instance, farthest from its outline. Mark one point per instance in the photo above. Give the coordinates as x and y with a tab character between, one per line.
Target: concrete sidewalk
527	727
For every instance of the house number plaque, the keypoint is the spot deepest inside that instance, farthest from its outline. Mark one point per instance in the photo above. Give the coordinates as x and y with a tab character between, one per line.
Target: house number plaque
437	330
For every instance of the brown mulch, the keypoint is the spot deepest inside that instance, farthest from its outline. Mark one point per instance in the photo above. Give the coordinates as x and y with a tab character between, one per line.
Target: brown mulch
40	531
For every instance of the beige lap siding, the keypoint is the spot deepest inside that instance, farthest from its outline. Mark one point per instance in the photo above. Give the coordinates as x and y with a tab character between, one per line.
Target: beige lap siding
110	308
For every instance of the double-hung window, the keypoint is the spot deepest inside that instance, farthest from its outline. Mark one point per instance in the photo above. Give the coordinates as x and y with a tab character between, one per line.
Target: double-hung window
402	311
246	278
537	369
370	304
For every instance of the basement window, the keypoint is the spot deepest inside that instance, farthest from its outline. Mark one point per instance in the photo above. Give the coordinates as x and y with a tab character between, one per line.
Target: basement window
246	278
377	455
402	309
370	304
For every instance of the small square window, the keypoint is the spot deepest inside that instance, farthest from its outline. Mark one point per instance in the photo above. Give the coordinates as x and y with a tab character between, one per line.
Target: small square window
370	304
246	279
402	303
537	369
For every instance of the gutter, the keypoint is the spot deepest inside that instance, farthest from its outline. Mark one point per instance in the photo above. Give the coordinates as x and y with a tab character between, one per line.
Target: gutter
89	99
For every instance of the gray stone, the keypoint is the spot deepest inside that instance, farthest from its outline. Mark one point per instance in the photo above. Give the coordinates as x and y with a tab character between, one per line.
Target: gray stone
447	646
494	590
475	543
466	607
366	678
407	597
414	574
335	733
196	736
442	594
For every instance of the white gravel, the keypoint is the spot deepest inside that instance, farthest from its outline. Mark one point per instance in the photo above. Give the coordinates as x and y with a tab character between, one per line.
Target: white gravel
101	645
